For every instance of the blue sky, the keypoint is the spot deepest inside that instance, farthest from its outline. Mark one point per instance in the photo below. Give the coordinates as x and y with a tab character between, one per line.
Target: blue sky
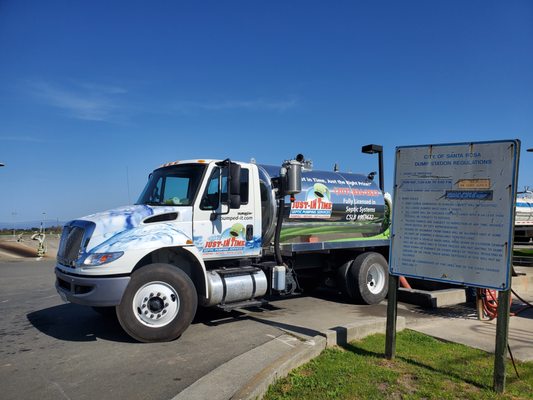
96	94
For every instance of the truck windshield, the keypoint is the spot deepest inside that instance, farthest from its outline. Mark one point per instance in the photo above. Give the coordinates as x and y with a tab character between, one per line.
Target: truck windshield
175	186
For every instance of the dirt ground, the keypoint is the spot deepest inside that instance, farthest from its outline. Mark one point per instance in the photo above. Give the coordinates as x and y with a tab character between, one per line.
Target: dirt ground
24	247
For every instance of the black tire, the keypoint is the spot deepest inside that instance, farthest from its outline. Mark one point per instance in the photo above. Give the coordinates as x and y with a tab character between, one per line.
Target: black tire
170	289
365	279
108	312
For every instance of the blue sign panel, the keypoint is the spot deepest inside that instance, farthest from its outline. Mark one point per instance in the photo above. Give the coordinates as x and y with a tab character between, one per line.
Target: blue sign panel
453	212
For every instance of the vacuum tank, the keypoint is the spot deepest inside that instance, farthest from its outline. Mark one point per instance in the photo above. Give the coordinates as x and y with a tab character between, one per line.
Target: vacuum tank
332	206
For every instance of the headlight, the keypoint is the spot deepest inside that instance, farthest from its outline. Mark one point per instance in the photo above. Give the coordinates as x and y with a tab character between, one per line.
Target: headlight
101	258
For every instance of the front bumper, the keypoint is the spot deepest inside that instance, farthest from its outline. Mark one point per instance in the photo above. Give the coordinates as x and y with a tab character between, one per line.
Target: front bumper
97	291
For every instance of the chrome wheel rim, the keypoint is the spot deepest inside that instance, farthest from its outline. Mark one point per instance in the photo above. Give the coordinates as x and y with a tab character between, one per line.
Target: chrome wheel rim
375	279
156	304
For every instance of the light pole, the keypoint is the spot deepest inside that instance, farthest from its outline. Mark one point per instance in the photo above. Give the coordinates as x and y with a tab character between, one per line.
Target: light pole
530	150
13	215
372	149
2	164
42	223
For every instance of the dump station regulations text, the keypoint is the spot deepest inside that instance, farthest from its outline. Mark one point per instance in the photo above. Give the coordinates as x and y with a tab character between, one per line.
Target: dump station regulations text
454	212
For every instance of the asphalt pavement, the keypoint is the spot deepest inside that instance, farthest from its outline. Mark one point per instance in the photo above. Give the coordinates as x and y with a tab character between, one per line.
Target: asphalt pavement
52	350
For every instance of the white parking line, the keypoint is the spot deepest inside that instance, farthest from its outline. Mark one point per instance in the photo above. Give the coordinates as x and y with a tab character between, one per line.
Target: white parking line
284	341
58	386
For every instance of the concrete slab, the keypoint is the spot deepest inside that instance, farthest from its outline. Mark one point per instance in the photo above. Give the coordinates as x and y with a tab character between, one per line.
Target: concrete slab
432	298
523	283
460	325
342	335
308	317
449	297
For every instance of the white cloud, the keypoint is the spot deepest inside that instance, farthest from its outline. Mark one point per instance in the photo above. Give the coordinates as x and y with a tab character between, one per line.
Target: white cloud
84	101
252	105
96	102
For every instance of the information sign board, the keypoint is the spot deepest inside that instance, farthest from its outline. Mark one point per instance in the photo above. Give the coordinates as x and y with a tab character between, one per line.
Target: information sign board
453	212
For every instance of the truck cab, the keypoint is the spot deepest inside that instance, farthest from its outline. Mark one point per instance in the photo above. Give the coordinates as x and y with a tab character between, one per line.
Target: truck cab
187	215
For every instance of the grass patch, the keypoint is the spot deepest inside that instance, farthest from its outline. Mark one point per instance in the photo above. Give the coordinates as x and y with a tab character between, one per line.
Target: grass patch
424	368
523	252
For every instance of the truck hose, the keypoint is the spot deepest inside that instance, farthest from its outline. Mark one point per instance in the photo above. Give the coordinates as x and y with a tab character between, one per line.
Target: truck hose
527	304
489	299
279	222
490	303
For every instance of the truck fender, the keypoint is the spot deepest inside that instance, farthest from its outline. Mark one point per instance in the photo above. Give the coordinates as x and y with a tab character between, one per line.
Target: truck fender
196	254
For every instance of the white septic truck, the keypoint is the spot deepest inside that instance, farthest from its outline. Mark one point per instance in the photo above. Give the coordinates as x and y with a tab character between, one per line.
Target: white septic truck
226	234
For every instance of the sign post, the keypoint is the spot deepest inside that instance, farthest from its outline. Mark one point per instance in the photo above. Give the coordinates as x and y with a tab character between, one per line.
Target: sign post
392	313
453	222
502	336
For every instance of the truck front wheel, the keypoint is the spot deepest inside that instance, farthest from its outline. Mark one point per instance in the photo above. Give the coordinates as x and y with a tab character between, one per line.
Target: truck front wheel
365	279
158	304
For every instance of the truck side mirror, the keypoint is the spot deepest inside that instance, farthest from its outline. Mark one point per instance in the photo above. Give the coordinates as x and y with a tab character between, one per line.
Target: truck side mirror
234	185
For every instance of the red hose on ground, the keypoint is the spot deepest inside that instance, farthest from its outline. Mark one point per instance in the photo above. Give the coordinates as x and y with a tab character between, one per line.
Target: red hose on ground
489	299
404	283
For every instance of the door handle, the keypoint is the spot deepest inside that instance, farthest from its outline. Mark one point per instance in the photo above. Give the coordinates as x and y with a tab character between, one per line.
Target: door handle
249	232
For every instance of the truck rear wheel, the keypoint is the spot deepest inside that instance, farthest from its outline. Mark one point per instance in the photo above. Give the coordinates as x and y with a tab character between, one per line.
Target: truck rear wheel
365	279
158	304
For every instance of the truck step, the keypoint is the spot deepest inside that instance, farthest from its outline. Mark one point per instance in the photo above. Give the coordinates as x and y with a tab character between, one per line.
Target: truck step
242	304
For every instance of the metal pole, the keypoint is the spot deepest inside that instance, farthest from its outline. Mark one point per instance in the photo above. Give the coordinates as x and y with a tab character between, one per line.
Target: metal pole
392	312
381	183
502	337
13	215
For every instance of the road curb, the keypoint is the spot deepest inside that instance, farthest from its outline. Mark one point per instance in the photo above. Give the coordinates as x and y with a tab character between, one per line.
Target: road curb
225	380
280	356
258	385
338	336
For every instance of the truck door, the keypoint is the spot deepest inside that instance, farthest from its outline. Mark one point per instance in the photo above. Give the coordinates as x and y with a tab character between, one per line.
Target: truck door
220	232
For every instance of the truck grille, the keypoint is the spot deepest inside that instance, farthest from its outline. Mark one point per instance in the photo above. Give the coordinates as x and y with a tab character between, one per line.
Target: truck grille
70	245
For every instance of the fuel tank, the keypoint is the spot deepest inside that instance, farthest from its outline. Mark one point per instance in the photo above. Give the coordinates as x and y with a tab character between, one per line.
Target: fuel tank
235	284
332	206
